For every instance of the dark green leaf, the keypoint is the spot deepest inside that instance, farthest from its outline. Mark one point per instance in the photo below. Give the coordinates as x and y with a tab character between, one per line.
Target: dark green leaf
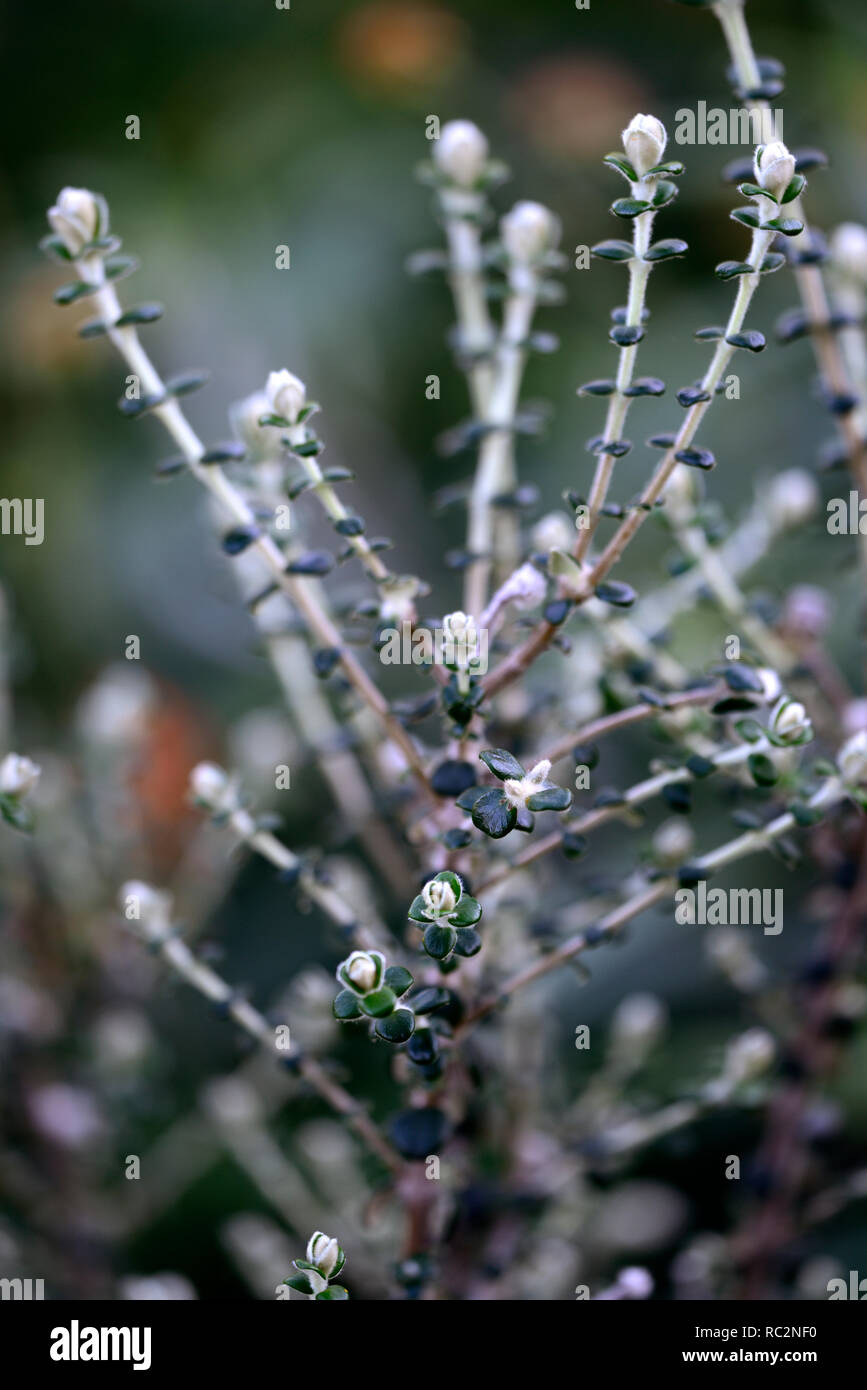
398	979
613	591
629	207
550	799
468	942
398	1027
346	1005
612	250
622	165
439	940
502	763
467	912
494	814
664	250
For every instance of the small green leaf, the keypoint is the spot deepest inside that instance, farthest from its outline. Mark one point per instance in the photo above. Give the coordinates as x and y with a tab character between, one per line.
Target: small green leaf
332	1293
452	880
794	189
612	250
68	294
614	592
398	1027
664	250
629	207
346	1006
665	193
418	910
774	260
398	979
550	799
379	1004
786	226
727	269
439	940
622	165
751	339
300	1283
467	800
672	167
748	216
467	912
16	814
494	814
752	190
502	763
468	942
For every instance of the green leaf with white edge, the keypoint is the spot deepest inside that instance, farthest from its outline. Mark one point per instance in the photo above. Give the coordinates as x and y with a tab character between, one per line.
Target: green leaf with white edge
16	813
446	876
665	193
346	1006
439	940
622	165
752	190
550	799
418	911
379	1004
502	763
726	270
748	216
494	814
794	190
774	260
672	167
612	250
786	226
398	979
629	207
68	294
614	592
332	1293
338	1263
467	912
750	730
468	943
664	250
397	1028
762	770
300	1283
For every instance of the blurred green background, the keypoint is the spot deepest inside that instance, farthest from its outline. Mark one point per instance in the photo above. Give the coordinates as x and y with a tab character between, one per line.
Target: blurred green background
262	127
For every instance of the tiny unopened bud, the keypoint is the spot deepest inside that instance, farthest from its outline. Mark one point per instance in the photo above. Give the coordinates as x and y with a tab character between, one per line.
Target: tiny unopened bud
323	1251
790	721
793	497
208	783
287	396
78	217
644	141
852	760
849	251
460	637
749	1055
672	841
461	152
528	231
361	970
553	531
439	898
18	775
772	686
774	168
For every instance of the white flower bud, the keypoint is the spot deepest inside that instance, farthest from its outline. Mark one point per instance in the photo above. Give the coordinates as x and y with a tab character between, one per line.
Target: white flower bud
439	898
209	783
790	721
774	168
323	1251
18	775
793	497
852	760
749	1055
554	531
849	251
644	141
771	683
528	231
361	970
287	396
638	1021
635	1282
673	841
245	416
461	152
78	217
518	789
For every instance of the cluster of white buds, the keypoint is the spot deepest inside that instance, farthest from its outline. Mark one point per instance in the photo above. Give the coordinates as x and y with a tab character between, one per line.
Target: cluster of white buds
18	775
748	1056
461	153
78	218
211	786
792	498
774	168
644	142
286	395
790	723
849	252
852	760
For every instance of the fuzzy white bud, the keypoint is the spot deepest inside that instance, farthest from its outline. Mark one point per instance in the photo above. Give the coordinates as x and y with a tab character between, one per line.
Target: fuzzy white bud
774	168
208	783
361	970
749	1055
461	152
528	231
644	142
554	531
638	1022
673	841
793	497
790	721
772	686
323	1251
18	775
78	217
287	395
849	251
852	760
439	898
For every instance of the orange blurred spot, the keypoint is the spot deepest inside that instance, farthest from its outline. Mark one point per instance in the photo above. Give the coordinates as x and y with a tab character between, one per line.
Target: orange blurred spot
576	107
394	44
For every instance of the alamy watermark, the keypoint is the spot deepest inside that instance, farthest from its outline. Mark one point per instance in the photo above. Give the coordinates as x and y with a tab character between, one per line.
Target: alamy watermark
733	127
23	516
735	907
